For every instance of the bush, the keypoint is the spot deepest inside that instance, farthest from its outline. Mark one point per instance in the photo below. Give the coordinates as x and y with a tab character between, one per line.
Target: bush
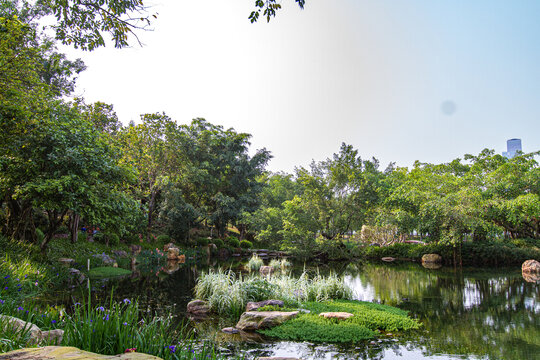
244	244
202	241
275	264
163	239
39	235
233	242
113	239
99	237
81	236
218	242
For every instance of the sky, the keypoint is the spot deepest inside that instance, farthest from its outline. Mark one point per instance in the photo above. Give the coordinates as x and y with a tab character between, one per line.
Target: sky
400	80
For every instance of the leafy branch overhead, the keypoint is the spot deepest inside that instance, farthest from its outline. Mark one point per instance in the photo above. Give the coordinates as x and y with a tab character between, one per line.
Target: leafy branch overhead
269	9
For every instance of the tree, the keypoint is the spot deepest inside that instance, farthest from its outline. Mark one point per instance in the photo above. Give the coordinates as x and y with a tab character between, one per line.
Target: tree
269	9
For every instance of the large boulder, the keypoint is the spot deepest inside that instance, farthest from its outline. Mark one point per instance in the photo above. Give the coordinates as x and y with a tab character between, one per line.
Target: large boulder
531	266
432	258
77	277
71	353
251	306
173	253
107	260
17	324
166	247
120	253
198	308
36	336
255	320
66	261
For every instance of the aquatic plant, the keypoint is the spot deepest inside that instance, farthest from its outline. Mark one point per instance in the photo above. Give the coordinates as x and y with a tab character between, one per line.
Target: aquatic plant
255	263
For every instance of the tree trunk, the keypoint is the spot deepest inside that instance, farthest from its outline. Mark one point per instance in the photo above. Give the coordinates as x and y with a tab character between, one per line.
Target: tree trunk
74	227
55	219
151	207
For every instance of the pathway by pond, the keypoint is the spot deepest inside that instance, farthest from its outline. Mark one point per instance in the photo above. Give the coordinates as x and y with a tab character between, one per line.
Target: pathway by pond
472	313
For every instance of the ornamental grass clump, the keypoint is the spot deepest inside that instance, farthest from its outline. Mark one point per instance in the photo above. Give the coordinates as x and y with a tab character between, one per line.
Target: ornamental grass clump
255	263
228	293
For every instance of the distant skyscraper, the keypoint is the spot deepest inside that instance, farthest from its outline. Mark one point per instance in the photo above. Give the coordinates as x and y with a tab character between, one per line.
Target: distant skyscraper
512	147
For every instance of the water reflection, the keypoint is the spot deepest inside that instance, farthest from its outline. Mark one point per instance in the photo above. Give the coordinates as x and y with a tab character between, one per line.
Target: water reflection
473	313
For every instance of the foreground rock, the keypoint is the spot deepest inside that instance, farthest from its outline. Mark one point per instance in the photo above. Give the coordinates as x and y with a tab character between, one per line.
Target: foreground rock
198	308
230	330
35	333
66	261
531	266
251	306
388	259
71	353
432	258
336	315
255	320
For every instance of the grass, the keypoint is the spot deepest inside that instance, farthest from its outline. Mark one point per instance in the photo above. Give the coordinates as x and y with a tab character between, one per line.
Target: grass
255	263
277	264
228	293
107	271
367	320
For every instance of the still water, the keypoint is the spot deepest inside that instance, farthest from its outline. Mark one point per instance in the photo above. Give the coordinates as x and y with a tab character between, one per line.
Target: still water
488	313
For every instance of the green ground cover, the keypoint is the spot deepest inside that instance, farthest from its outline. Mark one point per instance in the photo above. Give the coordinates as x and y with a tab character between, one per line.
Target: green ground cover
107	271
368	319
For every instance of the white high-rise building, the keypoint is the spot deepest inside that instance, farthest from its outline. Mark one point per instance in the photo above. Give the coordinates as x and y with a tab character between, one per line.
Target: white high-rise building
512	147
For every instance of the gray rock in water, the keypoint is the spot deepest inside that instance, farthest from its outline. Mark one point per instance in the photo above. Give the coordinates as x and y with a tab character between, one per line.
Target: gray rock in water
230	330
77	276
255	320
432	258
251	306
198	308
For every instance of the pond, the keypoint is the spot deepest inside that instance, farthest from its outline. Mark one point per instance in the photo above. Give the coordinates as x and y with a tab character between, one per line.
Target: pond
474	313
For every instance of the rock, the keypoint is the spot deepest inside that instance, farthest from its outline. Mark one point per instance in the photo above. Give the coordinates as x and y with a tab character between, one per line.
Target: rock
266	270
531	277
18	324
76	275
375	244
173	253
388	259
168	246
230	330
181	258
135	249
53	336
263	255
251	306
120	253
255	320
336	315
66	352
431	258
107	260
531	266
198	308
66	261
431	266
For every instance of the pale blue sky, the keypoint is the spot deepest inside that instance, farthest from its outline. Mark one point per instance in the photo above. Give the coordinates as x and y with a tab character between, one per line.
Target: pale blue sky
371	73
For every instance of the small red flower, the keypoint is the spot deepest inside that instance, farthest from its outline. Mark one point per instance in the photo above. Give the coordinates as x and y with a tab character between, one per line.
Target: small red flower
130	350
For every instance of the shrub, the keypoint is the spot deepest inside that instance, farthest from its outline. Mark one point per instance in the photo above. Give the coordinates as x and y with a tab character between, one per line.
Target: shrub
244	244
255	263
163	239
202	241
99	237
218	242
233	242
113	239
39	235
81	236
